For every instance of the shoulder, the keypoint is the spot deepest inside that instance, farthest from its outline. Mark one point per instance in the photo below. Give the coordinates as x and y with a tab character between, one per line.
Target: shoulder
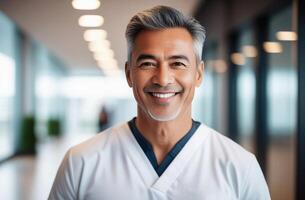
98	144
238	165
82	162
224	148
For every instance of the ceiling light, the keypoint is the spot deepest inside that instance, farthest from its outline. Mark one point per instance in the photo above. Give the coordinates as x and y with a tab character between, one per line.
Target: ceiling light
86	4
272	47
286	35
238	59
249	51
91	21
95	34
111	72
99	46
106	55
220	66
108	64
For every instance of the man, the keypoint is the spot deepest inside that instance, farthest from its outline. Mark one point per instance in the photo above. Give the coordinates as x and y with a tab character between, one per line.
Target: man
162	153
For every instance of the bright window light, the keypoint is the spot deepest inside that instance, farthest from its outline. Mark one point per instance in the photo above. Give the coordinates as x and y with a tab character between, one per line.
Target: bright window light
249	51
286	36
86	4
272	47
95	34
46	87
238	59
100	87
7	76
91	21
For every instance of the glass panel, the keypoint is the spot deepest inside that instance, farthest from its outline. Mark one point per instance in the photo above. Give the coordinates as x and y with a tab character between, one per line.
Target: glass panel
204	106
7	92
246	89
7	86
87	95
48	75
282	105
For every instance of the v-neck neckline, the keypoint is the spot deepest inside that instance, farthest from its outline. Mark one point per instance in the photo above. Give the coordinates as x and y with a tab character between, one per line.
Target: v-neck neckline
148	149
146	170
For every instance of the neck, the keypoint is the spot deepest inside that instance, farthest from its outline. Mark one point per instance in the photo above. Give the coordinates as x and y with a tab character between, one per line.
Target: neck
163	135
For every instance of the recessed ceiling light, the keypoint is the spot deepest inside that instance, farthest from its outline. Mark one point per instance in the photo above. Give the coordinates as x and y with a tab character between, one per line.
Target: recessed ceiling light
91	21
105	55
238	59
108	64
99	46
272	47
112	72
86	4
249	51
219	66
286	36
95	34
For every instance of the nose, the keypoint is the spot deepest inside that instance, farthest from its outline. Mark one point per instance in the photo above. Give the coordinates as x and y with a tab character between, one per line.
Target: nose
163	75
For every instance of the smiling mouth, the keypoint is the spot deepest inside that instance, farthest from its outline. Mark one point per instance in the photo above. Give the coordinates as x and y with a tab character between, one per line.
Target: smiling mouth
163	95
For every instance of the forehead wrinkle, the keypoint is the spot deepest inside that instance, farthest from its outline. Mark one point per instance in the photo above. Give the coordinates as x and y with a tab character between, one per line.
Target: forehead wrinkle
174	57
168	39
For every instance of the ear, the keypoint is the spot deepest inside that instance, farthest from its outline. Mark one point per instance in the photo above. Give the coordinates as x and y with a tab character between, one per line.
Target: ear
128	73
199	73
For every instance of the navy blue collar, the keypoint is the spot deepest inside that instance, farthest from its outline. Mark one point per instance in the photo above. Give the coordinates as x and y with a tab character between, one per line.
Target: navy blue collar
148	150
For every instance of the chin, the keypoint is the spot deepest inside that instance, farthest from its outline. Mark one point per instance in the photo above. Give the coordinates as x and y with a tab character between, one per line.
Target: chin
164	118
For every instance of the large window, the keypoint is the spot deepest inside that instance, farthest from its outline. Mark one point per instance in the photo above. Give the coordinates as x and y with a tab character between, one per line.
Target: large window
246	87
278	57
7	85
87	95
49	103
205	105
282	105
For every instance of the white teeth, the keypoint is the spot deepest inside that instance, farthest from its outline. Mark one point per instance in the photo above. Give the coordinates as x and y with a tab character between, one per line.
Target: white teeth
163	95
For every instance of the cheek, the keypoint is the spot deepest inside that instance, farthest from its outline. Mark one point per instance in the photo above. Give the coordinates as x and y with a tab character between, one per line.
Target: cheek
188	81
142	79
189	84
139	82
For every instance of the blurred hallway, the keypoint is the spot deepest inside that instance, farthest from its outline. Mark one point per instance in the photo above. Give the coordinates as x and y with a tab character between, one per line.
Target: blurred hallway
62	80
31	177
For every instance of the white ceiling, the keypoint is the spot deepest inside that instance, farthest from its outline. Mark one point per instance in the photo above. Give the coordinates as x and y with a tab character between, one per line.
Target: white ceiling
54	23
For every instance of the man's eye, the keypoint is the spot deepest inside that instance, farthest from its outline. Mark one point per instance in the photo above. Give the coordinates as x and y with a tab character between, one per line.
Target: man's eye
178	64
147	64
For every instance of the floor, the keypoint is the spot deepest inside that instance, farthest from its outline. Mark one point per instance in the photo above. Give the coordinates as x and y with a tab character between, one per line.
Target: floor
31	177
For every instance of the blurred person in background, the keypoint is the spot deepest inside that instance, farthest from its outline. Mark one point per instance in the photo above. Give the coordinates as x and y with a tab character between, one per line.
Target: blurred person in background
162	153
103	119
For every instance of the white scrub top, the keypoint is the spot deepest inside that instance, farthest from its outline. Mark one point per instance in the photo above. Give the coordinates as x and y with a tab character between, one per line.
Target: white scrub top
112	166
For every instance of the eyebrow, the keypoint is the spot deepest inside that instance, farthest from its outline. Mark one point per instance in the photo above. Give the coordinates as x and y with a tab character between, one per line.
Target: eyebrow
145	56
149	56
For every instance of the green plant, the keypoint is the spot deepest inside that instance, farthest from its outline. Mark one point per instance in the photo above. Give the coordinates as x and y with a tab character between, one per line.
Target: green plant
28	137
54	127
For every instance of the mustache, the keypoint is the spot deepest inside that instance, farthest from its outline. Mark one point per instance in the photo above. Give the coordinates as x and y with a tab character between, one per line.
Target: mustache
158	88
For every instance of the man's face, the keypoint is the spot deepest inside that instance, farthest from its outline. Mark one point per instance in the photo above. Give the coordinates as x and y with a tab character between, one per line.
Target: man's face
163	73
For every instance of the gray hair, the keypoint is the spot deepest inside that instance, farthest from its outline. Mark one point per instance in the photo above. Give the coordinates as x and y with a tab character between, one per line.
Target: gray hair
162	17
